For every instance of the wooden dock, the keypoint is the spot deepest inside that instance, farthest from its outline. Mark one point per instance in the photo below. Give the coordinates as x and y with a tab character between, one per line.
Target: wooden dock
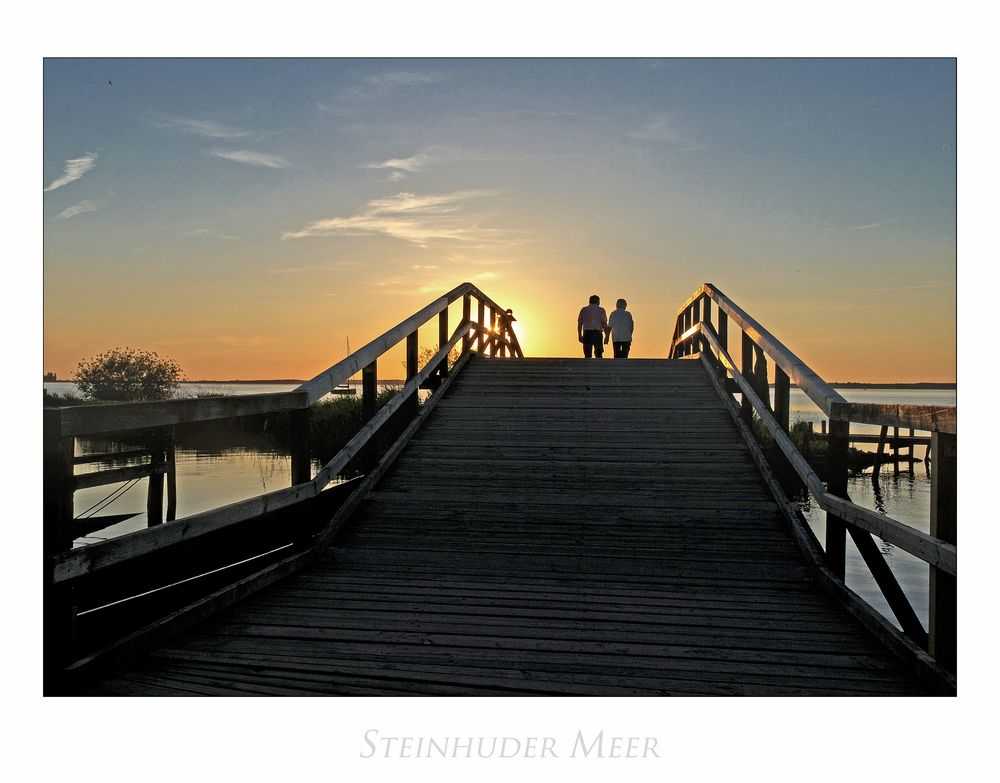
534	526
556	526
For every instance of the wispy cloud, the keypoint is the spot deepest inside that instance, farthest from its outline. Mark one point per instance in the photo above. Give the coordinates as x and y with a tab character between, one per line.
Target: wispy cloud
838	110
392	80
867	226
401	166
207	232
75	168
78	209
208	128
378	85
251	158
660	129
663	130
411	218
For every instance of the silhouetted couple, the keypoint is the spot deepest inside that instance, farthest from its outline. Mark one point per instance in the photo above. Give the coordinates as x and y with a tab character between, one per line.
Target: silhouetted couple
594	324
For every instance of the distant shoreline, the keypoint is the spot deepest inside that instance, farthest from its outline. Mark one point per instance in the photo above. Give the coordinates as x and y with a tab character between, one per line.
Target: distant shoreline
922	385
839	385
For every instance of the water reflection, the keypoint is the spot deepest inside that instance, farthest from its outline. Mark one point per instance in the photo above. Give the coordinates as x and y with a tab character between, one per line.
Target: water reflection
212	471
906	499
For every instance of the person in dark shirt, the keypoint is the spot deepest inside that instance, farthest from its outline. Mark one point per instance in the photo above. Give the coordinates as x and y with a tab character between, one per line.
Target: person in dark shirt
592	327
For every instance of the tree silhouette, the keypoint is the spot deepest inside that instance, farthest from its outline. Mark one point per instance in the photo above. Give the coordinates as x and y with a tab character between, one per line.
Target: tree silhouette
127	375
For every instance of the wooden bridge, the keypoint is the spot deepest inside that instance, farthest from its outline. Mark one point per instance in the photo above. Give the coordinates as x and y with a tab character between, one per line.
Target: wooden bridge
537	526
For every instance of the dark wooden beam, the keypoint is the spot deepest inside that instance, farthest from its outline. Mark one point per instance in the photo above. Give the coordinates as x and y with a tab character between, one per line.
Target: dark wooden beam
443	336
943	642
369	390
836	484
746	408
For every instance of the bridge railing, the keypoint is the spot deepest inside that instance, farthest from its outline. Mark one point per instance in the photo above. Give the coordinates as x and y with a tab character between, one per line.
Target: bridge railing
695	333
106	571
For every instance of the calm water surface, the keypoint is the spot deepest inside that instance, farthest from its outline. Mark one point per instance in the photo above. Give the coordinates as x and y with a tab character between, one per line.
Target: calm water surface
210	477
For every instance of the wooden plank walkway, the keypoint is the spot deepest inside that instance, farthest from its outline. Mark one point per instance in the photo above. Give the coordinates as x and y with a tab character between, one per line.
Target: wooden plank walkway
556	527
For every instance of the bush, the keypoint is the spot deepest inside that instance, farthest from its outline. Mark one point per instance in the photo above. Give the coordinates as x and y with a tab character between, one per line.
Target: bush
127	375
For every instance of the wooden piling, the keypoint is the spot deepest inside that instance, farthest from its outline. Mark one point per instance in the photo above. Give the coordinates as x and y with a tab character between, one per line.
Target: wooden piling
299	426
171	455
782	396
369	390
746	408
466	316
443	337
837	445
154	490
943	634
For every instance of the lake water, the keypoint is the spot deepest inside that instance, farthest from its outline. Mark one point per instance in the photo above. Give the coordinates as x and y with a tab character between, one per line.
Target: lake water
212	476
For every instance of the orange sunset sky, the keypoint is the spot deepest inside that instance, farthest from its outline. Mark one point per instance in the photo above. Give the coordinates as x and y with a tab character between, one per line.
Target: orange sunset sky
247	217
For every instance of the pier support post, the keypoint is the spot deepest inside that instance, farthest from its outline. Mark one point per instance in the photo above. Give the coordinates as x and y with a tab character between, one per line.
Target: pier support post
369	390
879	452
943	636
58	603
782	390
443	340
466	316
171	456
57	490
895	451
481	320
301	470
724	330
412	359
746	408
837	444
492	326
706	318
154	492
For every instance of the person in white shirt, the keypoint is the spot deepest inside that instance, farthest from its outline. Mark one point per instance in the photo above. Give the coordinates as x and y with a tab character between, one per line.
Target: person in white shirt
591	326
620	330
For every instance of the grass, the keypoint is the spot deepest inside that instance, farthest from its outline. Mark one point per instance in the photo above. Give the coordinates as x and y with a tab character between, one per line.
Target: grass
811	445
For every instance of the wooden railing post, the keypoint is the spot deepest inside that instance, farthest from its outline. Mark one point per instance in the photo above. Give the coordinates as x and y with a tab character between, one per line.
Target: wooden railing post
492	326
412	358
171	456
760	376
369	390
57	493
837	444
724	330
299	433
154	491
943	630
443	336
782	388
706	318
696	311
481	320
466	316
58	610
746	407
